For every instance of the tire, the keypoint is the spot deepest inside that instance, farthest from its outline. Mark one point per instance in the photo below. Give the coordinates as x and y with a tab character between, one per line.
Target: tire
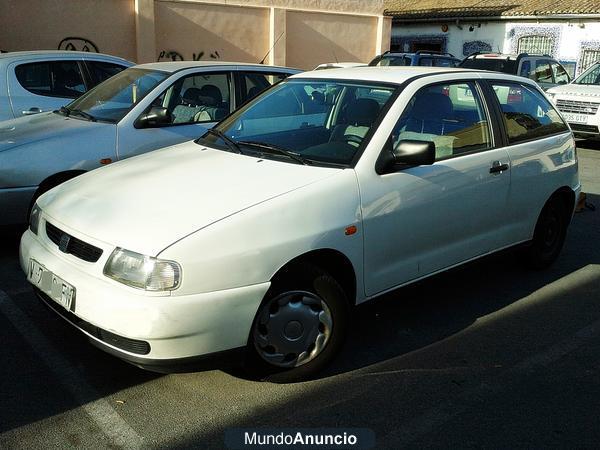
300	326
549	235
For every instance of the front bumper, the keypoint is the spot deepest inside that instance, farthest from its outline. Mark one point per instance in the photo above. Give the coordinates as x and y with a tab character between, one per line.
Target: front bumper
122	320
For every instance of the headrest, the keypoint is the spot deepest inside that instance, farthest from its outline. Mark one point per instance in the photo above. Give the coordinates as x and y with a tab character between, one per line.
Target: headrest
362	112
192	96
432	106
211	95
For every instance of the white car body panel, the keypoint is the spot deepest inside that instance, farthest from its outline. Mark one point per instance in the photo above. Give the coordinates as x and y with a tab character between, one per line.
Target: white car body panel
579	105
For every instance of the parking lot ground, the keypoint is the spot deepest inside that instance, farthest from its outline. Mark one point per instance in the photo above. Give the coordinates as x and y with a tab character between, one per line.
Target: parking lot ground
488	355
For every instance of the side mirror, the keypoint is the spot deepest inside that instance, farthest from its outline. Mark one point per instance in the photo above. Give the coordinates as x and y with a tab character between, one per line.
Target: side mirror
156	117
407	153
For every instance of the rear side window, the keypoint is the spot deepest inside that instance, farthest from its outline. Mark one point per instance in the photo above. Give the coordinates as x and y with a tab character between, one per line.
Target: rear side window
494	64
253	83
527	113
543	72
101	71
560	74
51	78
449	115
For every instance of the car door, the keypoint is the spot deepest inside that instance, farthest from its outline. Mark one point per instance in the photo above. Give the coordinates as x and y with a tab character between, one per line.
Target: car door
250	83
539	146
422	219
44	85
98	71
195	101
543	74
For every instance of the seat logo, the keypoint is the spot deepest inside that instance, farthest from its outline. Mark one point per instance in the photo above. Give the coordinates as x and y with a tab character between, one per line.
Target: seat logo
64	242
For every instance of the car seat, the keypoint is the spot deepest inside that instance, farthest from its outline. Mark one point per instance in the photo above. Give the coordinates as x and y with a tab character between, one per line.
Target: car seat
360	115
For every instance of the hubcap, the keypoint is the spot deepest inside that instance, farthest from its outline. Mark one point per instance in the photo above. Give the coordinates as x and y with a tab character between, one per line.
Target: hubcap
292	329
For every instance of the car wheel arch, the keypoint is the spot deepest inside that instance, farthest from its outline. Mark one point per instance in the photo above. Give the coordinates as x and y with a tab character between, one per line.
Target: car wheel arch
332	261
53	181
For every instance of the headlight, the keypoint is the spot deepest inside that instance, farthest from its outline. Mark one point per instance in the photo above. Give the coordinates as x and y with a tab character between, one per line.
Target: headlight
34	218
142	272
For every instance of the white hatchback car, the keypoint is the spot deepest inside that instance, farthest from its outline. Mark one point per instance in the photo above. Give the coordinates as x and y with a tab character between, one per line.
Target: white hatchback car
579	103
326	191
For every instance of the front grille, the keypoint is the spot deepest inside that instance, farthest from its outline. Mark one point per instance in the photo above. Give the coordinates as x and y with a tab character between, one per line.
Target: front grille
584	128
127	344
74	246
577	107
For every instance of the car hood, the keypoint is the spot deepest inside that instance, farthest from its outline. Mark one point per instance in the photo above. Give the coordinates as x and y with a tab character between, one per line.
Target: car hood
147	203
30	129
576	89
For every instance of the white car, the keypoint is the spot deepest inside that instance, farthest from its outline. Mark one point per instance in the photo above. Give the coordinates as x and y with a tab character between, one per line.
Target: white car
138	110
328	190
578	102
38	81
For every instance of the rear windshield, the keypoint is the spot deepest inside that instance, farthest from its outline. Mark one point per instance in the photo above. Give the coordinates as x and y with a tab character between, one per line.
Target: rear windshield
494	64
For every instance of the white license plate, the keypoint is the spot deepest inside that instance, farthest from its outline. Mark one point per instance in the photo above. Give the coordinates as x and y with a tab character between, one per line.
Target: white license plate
575	118
52	285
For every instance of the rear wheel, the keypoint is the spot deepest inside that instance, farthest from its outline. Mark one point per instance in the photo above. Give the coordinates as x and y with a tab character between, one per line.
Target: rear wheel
549	235
299	327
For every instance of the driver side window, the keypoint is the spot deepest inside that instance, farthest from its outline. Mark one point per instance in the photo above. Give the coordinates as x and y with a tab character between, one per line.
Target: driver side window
449	115
197	98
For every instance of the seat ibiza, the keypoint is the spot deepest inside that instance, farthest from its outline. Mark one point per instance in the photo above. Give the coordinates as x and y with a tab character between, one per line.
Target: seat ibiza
326	191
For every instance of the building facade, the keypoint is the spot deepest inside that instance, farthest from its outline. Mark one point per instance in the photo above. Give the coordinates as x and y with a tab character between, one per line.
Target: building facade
298	33
569	31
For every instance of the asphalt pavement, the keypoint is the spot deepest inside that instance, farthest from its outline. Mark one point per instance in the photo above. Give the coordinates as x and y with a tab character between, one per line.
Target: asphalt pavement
488	355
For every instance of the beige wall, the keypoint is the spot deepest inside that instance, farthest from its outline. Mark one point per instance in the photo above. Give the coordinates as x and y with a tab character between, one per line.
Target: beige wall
298	33
315	38
42	24
227	32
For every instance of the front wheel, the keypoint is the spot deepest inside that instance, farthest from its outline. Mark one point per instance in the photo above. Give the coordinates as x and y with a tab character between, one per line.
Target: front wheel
300	326
549	235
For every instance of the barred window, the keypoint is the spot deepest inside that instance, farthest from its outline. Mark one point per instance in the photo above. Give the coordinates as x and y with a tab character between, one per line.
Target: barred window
588	57
535	44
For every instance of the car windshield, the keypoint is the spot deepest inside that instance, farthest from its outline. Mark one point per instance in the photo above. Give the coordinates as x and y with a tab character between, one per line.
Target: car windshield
494	64
322	122
394	60
590	76
111	100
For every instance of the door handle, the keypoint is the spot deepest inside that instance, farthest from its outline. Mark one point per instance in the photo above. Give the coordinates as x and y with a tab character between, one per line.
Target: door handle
31	111
498	167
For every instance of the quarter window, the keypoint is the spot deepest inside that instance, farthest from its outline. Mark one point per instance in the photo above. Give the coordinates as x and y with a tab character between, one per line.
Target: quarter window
52	78
449	115
527	114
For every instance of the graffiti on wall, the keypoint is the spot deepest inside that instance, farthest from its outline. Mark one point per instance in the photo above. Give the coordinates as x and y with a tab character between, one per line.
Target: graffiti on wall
470	47
552	32
79	44
173	55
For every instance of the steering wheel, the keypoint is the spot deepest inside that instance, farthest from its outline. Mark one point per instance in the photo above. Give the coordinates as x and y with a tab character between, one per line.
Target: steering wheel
352	138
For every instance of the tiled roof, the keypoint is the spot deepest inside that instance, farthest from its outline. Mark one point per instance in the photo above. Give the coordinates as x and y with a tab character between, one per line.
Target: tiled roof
434	9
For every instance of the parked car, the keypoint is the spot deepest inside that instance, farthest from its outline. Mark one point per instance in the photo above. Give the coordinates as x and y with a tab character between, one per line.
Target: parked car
338	65
578	102
34	82
419	58
543	69
138	110
261	235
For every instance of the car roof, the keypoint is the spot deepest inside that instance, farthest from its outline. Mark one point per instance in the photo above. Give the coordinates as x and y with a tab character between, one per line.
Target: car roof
174	66
60	54
400	74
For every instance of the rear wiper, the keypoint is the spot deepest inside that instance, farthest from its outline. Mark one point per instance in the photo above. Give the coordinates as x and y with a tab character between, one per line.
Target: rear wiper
278	150
82	114
230	142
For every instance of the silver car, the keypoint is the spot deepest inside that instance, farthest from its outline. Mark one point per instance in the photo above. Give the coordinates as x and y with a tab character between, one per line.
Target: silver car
138	110
34	82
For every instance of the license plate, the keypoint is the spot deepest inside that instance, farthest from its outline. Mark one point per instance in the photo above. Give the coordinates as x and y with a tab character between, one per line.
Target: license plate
50	284
575	118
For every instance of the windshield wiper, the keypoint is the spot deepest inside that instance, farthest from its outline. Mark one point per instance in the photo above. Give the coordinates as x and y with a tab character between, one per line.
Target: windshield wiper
230	142
82	114
278	150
